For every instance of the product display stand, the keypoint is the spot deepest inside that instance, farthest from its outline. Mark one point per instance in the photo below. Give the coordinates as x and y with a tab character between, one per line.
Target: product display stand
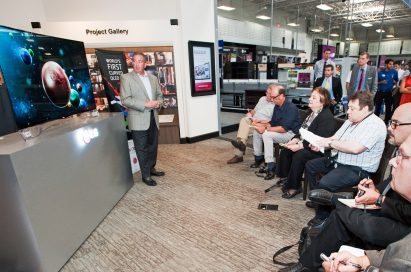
57	187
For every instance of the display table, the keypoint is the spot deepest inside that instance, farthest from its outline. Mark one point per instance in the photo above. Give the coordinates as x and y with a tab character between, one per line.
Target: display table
56	188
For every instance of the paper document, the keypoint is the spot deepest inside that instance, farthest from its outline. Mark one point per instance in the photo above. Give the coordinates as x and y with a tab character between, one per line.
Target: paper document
311	138
166	118
358	252
351	203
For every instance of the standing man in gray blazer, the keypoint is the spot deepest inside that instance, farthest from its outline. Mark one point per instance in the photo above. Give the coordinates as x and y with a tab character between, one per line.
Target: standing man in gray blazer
363	77
141	94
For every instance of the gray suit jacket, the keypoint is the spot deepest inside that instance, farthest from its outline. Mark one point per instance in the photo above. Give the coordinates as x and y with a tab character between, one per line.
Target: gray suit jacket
397	256
371	79
133	95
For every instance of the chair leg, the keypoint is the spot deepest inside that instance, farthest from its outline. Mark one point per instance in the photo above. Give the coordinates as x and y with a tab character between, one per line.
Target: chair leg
305	188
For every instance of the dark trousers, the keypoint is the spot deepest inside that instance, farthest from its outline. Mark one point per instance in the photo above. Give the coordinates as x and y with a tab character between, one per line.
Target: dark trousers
387	97
145	143
291	165
344	176
347	225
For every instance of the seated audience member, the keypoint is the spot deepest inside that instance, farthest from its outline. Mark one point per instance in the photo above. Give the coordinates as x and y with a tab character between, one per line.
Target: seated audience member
396	257
284	125
379	228
356	150
332	84
297	152
262	113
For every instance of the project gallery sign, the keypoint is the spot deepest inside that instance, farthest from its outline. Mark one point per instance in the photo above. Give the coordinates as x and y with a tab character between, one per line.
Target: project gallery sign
202	74
106	31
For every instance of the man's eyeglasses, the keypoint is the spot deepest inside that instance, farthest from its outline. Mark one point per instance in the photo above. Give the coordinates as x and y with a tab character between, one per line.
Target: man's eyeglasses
399	156
394	124
274	97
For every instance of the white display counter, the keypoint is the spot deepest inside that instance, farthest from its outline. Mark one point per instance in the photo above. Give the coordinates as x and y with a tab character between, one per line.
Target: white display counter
56	188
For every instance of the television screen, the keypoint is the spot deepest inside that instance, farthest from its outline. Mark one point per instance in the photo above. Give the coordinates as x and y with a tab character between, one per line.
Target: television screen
46	77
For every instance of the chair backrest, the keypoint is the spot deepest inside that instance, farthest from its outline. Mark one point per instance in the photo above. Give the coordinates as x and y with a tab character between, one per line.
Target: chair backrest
303	114
338	123
387	154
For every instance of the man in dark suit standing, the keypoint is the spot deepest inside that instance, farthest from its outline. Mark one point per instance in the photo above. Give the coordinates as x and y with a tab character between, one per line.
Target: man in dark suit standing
141	94
363	77
332	84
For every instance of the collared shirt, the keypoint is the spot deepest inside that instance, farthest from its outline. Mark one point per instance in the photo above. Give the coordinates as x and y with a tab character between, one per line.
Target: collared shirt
329	87
363	78
263	110
319	68
147	84
286	116
371	133
390	76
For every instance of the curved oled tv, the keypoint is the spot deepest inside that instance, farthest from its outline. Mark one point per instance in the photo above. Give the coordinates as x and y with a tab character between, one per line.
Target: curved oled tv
46	77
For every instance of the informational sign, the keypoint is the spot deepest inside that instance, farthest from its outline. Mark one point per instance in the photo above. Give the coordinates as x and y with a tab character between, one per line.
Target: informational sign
112	65
201	58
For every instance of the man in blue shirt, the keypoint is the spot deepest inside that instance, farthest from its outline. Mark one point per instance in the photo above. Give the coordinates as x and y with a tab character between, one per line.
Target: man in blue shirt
387	80
284	124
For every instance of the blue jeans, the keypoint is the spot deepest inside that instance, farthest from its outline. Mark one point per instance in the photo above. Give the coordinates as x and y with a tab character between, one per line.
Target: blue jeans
344	176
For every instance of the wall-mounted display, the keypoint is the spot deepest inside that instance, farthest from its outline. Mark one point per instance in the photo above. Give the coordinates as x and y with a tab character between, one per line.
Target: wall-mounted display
46	77
202	73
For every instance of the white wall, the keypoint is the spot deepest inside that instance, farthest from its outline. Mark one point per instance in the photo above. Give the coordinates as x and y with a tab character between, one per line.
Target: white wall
148	24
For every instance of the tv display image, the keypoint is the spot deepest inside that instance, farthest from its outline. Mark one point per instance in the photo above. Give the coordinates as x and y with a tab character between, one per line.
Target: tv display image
46	77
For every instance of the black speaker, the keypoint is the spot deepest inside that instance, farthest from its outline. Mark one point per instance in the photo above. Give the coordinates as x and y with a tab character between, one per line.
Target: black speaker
173	21
35	25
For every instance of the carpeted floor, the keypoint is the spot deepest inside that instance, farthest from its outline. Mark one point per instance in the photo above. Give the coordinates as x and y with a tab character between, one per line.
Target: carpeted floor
202	216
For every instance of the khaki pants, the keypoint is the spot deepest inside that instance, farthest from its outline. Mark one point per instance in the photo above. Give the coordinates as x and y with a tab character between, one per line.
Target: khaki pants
244	131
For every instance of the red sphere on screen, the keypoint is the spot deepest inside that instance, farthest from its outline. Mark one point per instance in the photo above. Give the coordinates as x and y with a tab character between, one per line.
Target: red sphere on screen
55	83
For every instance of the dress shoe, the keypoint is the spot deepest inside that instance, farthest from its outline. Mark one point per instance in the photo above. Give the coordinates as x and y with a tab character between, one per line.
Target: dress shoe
149	181
235	159
269	176
324	197
289	195
256	164
311	205
298	267
239	145
156	173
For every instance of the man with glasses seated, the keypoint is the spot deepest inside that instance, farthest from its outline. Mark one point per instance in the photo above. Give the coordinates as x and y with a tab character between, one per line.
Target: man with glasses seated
356	150
388	221
285	123
261	114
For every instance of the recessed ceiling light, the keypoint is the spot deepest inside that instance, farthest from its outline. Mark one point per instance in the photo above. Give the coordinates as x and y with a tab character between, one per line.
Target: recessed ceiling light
352	17
226	8
293	24
316	30
334	35
389	36
349	39
263	17
324	7
380	30
366	24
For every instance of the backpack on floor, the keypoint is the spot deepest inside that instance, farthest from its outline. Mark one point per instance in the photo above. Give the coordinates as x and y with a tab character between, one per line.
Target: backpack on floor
308	233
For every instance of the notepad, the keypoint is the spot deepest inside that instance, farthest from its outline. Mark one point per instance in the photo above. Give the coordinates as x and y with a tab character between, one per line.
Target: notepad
311	138
352	204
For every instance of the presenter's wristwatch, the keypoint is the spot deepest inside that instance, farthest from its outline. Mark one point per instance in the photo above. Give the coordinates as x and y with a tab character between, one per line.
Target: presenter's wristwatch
379	200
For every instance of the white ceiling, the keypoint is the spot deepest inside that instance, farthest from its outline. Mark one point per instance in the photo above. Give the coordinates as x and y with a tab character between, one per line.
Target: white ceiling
396	17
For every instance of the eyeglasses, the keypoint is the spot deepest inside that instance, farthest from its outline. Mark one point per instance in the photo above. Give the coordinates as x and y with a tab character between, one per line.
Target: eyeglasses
399	156
394	124
274	97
